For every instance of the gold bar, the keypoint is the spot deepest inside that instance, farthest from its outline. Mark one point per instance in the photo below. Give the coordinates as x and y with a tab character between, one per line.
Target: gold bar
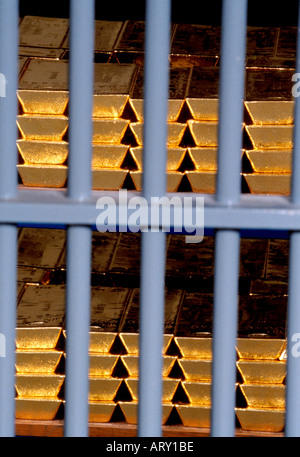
269	84
108	178
174	109
108	155
35	338
109	131
38	385
103	389
131	342
107	307
264	420
196	40
204	159
266	112
204	134
130	44
44	32
130	411
196	369
264	395
42	127
131	363
101	341
271	161
31	274
198	392
194	347
169	388
175	157
260	372
33	175
203	93
194	415
102	364
173	180
260	348
262	40
37	408
269	183
202	181
43	152
203	109
175	133
287	42
46	53
101	411
268	63
38	361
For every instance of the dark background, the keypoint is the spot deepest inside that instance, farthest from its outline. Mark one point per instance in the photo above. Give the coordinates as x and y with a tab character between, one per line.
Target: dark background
260	12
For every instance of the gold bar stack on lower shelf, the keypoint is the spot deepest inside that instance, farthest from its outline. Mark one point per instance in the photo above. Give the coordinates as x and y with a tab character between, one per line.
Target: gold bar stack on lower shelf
263	369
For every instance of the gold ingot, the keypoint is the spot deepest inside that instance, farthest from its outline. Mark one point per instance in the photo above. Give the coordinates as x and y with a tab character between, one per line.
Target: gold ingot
202	181
101	341
43	152
196	369
39	127
195	347
108	178
260	348
204	159
175	157
46	53
262	420
101	411
131	362
203	109
37	408
205	134
265	371
131	342
46	102
37	337
102	364
110	131
264	395
43	175
130	411
169	387
194	415
271	112
108	155
271	161
44	32
38	361
271	136
109	105
38	385
174	109
174	135
103	389
198	392
173	180
269	183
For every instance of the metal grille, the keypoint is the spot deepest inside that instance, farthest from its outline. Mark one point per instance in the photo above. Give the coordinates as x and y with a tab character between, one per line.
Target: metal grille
227	212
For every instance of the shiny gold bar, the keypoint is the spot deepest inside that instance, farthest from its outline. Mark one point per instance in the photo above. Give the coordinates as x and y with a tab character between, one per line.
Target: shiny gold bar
264	112
264	395
202	181
36	175
263	420
42	127
269	183
35	338
131	342
194	415
175	157
204	159
196	369
174	109
101	411
109	131
101	342
37	408
204	134
260	348
44	32
108	155
175	133
203	93
198	392
43	152
131	363
174	179
194	347
130	411
107	307
103	389
203	109
38	385
261	372
169	387
102	364
108	178
38	361
271	161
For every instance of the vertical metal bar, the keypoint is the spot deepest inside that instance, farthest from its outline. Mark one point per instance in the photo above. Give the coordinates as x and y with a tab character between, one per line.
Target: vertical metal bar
153	245
78	298
227	242
292	420
9	18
